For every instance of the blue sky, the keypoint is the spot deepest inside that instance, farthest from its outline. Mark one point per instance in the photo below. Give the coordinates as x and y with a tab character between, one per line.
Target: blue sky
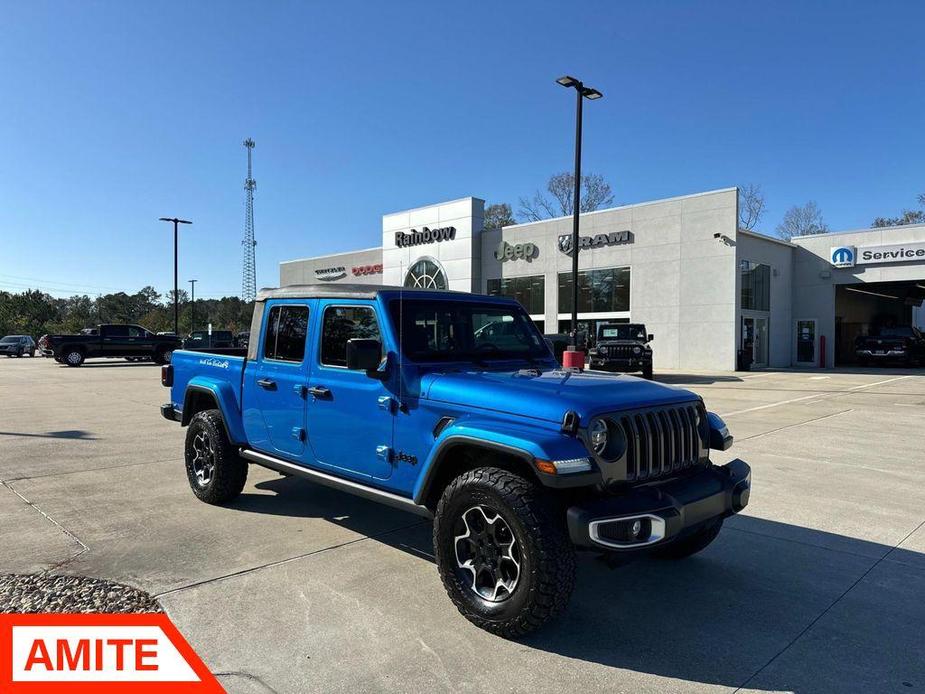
116	113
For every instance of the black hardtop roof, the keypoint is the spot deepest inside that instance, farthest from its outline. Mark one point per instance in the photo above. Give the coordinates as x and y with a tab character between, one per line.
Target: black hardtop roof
353	291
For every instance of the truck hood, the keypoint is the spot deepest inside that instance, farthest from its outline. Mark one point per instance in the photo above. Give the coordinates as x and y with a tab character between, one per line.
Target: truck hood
548	394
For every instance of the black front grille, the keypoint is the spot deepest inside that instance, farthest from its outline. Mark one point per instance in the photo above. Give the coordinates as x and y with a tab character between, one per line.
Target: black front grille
662	441
617	351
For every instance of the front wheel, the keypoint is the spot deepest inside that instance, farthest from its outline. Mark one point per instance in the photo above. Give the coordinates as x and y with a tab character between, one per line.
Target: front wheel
647	372
503	551
215	471
163	356
691	544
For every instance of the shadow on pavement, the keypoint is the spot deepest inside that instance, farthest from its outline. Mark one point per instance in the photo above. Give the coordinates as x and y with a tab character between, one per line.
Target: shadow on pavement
694	379
69	434
721	616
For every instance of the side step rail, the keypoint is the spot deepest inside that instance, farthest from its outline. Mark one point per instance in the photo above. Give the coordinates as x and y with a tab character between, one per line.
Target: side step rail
327	480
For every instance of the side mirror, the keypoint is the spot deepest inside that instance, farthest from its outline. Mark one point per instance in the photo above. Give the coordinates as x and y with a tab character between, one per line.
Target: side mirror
363	354
650	337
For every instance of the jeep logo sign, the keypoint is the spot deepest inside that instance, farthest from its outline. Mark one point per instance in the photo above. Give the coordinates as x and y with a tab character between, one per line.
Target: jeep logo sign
842	256
614	238
425	235
519	251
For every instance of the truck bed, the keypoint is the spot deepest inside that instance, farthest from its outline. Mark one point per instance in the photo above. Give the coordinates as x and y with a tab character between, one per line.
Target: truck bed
219	370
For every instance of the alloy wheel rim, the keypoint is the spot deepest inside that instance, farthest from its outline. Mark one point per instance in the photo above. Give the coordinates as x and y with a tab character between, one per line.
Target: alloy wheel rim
488	557
73	358
203	458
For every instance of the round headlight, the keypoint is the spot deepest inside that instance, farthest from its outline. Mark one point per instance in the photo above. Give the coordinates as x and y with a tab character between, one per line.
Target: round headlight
637	350
598	432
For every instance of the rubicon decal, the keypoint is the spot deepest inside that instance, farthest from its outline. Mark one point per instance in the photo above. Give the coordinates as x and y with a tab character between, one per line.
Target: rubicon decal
98	653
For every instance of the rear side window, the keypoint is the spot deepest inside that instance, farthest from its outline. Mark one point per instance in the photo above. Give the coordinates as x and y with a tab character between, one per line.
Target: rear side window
342	323
115	331
285	333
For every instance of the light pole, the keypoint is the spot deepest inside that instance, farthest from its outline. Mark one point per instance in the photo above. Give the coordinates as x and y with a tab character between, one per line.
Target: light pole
192	310
572	356
176	289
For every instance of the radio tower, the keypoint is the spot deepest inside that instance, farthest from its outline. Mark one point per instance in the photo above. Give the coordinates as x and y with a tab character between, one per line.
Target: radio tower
249	278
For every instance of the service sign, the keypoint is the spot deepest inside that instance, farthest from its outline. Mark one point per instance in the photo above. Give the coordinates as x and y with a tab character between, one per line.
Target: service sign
849	256
98	653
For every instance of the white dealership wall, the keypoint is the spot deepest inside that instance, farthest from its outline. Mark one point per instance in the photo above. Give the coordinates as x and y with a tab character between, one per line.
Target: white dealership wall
684	256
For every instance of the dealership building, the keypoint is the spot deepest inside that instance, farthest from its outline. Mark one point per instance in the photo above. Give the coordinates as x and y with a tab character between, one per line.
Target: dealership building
703	287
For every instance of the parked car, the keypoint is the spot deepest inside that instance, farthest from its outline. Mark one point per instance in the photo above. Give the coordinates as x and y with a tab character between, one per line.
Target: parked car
389	394
111	340
622	347
201	338
17	345
904	344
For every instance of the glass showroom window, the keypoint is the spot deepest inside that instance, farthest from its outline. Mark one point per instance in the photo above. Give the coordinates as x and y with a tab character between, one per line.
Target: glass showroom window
529	291
756	286
599	291
426	274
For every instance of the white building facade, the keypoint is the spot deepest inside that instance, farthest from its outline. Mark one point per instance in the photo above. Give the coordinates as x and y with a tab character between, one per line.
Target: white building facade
704	288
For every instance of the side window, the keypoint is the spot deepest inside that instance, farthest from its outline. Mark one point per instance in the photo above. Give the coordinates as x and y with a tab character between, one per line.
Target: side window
285	333
135	331
116	331
342	323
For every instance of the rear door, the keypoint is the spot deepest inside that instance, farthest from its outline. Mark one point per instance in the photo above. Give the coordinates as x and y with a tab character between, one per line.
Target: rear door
114	341
350	415
274	385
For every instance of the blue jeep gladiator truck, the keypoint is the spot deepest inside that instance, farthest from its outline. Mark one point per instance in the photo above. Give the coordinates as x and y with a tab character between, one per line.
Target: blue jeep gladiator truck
452	406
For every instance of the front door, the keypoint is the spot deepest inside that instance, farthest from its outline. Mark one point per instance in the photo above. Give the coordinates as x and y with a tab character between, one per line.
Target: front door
755	340
350	415
277	380
806	342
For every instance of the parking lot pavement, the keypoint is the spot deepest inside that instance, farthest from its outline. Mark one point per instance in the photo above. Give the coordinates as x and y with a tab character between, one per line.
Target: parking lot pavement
817	587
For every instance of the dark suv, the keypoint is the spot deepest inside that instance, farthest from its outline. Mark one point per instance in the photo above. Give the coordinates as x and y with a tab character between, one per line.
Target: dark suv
622	347
17	346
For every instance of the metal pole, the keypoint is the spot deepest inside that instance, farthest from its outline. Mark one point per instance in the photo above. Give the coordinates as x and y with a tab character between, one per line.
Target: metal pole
176	292
575	213
192	311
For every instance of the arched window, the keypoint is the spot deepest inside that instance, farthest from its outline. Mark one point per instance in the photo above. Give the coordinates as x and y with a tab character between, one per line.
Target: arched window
426	274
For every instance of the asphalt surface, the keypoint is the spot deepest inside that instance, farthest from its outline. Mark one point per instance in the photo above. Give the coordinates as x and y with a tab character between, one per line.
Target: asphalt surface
817	587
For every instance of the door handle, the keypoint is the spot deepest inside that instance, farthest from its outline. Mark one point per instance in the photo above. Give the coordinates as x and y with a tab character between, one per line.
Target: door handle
319	391
266	383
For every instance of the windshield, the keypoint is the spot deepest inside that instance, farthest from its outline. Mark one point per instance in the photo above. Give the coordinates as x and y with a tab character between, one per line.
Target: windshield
465	331
622	331
902	331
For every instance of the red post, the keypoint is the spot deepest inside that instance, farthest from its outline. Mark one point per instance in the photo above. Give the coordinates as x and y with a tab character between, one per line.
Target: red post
822	351
573	358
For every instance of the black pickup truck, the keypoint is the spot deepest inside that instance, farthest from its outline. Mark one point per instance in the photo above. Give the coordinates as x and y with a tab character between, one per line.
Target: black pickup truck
903	344
110	340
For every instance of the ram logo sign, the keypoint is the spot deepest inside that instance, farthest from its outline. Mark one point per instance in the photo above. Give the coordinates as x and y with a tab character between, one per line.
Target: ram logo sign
843	256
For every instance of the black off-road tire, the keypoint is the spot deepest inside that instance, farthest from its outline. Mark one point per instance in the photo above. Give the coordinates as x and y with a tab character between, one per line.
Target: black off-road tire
72	356
228	470
547	559
691	544
647	373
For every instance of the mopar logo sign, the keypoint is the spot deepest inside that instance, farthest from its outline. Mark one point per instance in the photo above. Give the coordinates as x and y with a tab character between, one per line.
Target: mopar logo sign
843	256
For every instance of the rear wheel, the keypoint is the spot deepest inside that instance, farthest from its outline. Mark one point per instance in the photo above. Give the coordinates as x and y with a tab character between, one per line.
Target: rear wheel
691	544
73	357
503	551
215	471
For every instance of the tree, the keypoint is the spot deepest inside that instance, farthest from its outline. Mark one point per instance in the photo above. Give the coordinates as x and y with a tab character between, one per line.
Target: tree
802	220
751	205
595	194
907	217
498	215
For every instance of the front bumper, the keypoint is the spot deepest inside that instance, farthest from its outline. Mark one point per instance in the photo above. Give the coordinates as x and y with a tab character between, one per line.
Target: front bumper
621	364
882	353
665	511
